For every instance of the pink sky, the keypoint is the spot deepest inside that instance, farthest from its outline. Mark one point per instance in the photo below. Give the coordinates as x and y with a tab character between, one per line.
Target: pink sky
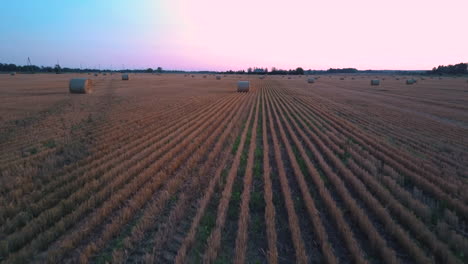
411	34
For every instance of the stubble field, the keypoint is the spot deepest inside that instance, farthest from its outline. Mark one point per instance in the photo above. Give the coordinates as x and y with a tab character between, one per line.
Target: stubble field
172	168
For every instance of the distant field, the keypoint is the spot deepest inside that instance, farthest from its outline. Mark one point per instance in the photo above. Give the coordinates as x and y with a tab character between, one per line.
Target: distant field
163	169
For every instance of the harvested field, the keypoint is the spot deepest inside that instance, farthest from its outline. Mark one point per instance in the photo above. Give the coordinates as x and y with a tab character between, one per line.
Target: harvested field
170	169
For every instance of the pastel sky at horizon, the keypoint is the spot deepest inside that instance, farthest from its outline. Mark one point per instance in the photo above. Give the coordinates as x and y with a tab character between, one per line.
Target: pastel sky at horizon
223	35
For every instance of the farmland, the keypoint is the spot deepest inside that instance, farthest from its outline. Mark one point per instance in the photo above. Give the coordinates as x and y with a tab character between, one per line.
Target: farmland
180	169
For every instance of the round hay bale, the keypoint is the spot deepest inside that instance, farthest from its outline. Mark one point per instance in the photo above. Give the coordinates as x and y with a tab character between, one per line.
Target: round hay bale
204	76
341	78
410	82
125	77
104	74
375	82
96	74
12	73
80	85
311	80
243	86
218	77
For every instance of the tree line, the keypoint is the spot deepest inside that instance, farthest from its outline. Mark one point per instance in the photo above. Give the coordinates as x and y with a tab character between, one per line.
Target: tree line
261	71
4	67
460	68
10	67
297	71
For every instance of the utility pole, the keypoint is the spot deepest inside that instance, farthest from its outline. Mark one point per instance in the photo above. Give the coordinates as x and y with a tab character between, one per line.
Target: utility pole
30	65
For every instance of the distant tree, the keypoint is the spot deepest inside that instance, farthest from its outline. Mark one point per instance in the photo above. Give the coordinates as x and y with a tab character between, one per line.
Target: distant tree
299	71
159	70
149	70
461	68
249	70
8	67
344	70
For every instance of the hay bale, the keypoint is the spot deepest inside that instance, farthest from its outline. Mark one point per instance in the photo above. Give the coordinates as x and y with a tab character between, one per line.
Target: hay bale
96	74
12	73
375	82
204	76
80	85
311	80
410	82
218	77
341	78
104	74
243	86
125	77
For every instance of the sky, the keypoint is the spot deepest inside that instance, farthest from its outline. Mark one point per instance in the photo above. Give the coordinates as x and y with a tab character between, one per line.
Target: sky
223	35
